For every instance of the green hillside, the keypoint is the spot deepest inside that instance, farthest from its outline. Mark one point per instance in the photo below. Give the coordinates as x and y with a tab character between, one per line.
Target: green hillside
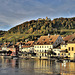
2	33
35	28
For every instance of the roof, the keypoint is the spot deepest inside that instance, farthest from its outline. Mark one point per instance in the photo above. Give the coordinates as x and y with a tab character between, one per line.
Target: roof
57	47
17	43
63	43
28	44
31	42
71	42
47	39
69	37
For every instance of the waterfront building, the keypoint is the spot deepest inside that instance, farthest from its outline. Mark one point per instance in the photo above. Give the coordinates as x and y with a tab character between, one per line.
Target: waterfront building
69	38
63	51
57	51
71	49
68	50
28	46
46	43
10	47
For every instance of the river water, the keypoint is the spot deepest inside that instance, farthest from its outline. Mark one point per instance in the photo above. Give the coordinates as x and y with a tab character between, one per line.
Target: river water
35	67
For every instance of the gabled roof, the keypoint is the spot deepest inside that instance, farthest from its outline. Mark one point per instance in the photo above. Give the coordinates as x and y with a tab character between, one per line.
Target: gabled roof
69	37
28	44
71	42
31	42
47	39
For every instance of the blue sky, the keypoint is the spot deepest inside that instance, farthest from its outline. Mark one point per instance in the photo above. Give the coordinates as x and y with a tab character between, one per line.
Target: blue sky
14	12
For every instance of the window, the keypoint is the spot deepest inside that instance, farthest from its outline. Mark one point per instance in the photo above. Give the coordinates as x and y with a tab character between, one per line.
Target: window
54	50
40	50
58	53
64	54
62	45
72	48
42	54
43	39
45	51
68	53
69	48
50	39
45	54
44	42
40	46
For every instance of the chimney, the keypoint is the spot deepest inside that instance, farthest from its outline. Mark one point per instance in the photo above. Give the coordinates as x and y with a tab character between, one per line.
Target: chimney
49	35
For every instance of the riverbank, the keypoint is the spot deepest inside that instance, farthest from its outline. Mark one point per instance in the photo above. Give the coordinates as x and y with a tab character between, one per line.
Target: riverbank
42	58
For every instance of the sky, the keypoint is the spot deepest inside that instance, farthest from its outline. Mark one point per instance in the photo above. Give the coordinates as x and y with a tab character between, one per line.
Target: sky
14	12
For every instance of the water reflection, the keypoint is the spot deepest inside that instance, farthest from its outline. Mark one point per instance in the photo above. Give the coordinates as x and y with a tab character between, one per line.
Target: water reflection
35	67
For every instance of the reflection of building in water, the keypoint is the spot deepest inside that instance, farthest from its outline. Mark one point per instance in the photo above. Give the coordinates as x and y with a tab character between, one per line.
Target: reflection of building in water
67	68
3	62
26	65
12	63
46	66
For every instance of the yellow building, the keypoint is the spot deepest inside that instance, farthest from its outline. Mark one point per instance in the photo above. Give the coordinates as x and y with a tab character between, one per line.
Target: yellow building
71	50
63	50
68	50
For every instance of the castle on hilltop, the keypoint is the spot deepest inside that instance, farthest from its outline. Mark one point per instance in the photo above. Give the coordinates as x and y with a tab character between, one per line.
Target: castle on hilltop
44	19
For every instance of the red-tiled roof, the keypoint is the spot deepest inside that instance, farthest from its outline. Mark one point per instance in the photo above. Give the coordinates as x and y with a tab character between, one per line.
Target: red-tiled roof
69	37
71	42
28	44
47	39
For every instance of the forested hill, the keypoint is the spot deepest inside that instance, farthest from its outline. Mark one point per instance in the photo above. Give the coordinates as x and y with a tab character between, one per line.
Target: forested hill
44	26
33	29
2	33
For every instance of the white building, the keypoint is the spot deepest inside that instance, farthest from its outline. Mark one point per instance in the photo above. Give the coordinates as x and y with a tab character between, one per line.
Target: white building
44	43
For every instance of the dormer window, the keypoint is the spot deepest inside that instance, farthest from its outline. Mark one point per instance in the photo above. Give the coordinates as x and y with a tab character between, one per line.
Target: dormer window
51	42
43	39
73	39
44	42
37	42
50	39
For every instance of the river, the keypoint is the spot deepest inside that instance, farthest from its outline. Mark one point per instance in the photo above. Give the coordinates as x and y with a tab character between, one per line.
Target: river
35	67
